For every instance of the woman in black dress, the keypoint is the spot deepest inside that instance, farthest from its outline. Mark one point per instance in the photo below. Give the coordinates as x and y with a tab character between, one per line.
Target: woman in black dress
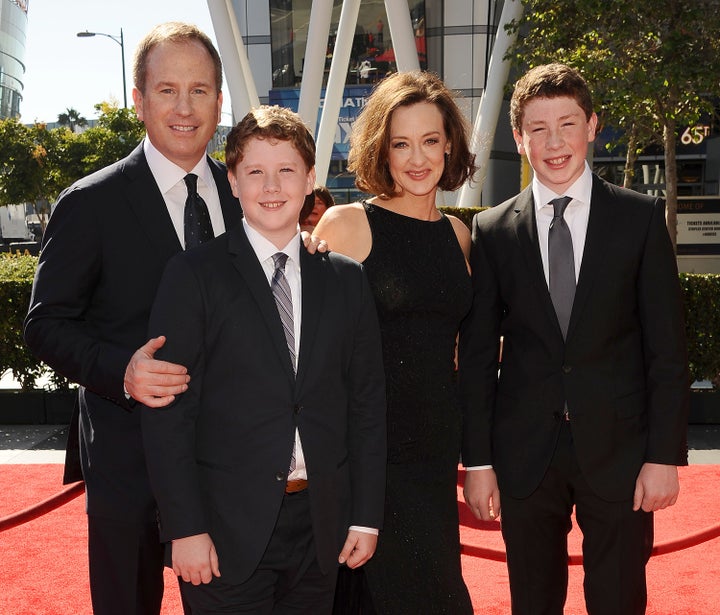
409	141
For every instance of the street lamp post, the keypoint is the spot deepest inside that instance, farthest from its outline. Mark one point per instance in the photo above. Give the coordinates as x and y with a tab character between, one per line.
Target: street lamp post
120	41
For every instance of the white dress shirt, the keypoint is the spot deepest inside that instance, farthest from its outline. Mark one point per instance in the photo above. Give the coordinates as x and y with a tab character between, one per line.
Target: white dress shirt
264	250
576	216
170	178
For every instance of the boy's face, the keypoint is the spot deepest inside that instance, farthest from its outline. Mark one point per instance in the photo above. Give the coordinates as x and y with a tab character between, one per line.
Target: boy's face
554	137
271	182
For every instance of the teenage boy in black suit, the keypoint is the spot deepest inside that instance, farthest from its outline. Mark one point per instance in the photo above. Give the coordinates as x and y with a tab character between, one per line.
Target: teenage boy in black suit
271	467
590	406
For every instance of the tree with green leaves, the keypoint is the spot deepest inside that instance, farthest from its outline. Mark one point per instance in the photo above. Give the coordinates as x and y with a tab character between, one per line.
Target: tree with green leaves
37	163
654	66
72	119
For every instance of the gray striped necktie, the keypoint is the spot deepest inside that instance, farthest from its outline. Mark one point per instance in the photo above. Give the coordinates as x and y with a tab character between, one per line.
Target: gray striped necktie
561	264
283	300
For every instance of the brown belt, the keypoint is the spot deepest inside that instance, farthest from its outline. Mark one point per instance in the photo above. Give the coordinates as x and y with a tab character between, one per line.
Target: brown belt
294	486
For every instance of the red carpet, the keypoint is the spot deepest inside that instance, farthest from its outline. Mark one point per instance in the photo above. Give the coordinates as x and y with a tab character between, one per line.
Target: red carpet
43	569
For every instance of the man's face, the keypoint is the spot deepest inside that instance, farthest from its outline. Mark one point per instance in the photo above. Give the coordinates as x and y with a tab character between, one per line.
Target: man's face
271	182
180	106
554	136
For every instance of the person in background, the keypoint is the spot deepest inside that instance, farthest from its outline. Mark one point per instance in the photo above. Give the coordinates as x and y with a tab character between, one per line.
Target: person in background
589	410
103	253
316	203
410	141
272	464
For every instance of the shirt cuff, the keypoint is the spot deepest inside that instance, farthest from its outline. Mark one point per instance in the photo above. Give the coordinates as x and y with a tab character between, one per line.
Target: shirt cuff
365	530
473	468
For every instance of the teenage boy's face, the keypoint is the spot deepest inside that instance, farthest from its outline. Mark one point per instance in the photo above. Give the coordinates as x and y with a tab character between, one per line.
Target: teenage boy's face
271	182
554	137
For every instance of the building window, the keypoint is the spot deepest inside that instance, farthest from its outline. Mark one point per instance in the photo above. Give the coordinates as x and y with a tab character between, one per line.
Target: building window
371	57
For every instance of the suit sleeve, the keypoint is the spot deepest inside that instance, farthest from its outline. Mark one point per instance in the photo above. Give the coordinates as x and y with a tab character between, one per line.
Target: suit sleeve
479	347
68	272
169	433
367	416
665	347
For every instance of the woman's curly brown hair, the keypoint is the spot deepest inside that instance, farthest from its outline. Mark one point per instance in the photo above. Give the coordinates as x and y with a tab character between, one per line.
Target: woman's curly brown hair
370	137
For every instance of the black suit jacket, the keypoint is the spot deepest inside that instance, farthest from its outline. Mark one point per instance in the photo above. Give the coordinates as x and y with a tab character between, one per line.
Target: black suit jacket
622	370
103	253
218	457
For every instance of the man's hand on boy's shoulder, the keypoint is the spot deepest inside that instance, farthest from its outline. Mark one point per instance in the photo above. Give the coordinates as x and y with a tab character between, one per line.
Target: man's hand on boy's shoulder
153	382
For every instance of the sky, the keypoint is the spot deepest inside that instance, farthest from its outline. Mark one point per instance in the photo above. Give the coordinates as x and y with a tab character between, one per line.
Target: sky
64	71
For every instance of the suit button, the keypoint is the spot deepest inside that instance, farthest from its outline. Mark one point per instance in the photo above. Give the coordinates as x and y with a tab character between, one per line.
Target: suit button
297	408
280	476
566	369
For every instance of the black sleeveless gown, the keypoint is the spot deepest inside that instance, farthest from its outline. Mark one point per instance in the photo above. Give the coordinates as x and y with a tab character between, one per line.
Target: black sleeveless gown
422	291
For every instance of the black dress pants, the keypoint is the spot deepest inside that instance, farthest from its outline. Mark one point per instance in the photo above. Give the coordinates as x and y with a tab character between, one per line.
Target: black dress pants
617	543
288	580
126	567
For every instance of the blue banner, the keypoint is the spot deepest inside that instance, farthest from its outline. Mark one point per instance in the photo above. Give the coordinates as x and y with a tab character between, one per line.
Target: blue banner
354	97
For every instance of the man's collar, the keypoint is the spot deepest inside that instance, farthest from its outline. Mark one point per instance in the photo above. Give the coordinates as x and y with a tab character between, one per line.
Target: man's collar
167	174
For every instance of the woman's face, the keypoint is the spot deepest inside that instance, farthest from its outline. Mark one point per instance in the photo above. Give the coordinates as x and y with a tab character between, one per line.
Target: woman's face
418	144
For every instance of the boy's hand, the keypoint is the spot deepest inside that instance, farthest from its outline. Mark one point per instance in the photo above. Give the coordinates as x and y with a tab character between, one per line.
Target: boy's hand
657	487
359	548
481	494
194	559
313	243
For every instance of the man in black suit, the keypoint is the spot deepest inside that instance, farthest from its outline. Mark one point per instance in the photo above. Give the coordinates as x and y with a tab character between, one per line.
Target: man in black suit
270	469
589	407
103	253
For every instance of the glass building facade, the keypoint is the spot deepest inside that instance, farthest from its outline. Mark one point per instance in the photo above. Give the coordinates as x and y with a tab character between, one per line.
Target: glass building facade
13	26
453	38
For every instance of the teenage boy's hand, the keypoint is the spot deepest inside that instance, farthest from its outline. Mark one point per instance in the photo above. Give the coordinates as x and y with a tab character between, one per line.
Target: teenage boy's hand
657	487
194	559
313	243
481	494
359	548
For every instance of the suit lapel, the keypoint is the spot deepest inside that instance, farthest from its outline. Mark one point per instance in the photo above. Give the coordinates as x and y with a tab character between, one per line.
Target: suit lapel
245	261
599	229
526	230
313	297
146	201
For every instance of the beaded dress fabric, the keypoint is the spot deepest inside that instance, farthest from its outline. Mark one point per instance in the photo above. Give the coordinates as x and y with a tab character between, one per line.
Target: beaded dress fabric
422	291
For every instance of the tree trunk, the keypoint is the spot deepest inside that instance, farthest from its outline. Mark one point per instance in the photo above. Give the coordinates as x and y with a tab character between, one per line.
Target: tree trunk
671	188
630	158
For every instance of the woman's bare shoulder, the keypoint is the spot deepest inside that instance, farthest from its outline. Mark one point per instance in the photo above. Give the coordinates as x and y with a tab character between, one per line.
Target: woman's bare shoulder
345	229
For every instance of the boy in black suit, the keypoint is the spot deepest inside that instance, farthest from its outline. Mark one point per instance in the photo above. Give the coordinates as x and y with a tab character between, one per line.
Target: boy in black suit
271	467
590	406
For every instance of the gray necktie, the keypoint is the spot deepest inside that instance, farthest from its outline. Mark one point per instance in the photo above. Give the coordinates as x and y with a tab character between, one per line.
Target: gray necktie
197	225
283	300
561	264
